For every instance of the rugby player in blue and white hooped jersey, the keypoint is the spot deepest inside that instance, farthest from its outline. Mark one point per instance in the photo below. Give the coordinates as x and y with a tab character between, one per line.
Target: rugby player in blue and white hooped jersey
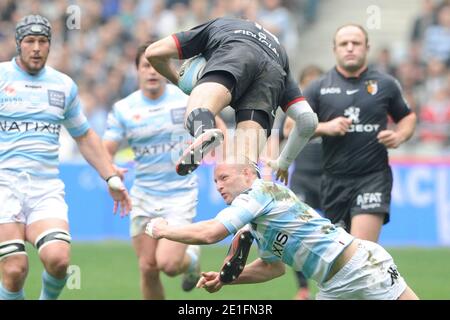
287	231
151	120
35	101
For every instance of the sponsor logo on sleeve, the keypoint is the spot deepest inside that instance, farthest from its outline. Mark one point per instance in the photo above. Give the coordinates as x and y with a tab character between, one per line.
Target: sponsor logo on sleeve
56	98
177	115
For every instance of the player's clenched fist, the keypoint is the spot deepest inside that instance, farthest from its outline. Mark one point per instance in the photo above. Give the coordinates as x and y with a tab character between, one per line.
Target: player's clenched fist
338	126
156	227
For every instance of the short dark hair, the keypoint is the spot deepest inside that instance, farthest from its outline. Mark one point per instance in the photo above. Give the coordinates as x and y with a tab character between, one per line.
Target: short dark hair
140	51
308	70
360	27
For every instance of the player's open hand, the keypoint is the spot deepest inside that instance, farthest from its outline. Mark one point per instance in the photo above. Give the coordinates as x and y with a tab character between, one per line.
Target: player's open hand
122	200
120	195
389	138
210	281
280	173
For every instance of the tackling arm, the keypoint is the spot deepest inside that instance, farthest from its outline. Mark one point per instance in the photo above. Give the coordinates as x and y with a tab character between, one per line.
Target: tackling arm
255	272
203	232
260	271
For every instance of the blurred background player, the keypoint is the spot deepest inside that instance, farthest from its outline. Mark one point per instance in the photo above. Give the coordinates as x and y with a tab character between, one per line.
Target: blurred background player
288	231
305	178
151	120
246	68
37	101
353	103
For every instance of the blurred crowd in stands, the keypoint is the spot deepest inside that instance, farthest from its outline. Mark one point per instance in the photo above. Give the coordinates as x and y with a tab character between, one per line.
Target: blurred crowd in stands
95	43
424	73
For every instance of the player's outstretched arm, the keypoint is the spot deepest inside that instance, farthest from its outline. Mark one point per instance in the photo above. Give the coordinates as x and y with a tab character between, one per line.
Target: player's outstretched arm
203	232
159	54
95	153
260	271
305	125
210	281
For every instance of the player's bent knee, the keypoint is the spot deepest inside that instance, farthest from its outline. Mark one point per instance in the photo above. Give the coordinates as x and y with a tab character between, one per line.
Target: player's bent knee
57	261
55	257
148	268
51	236
171	269
14	270
408	294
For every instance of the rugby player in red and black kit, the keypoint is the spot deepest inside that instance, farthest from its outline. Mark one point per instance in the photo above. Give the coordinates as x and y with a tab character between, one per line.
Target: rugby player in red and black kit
246	68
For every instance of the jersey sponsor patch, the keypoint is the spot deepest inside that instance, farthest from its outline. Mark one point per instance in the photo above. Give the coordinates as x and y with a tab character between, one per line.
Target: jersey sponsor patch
177	115
56	98
332	90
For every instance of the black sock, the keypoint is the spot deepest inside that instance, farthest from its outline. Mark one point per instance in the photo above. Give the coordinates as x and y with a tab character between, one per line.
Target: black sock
301	279
199	120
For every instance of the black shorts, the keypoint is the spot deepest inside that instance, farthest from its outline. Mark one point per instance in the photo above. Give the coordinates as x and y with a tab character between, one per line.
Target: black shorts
343	198
259	80
307	188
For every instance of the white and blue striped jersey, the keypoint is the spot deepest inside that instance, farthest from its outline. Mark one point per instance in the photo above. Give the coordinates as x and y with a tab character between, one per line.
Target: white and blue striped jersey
32	110
286	229
155	131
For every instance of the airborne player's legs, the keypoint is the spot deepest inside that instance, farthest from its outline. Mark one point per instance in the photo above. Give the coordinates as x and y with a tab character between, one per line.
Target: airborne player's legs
205	102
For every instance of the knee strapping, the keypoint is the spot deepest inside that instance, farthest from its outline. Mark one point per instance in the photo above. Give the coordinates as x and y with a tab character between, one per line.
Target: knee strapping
51	236
199	120
12	247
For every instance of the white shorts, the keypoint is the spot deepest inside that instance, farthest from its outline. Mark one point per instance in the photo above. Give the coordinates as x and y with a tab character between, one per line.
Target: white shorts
369	275
177	210
27	199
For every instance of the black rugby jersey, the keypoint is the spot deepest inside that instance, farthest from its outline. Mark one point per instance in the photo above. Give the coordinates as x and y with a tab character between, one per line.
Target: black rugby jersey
231	33
367	100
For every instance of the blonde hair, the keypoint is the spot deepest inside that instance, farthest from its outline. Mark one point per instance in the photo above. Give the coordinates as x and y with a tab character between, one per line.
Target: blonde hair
241	162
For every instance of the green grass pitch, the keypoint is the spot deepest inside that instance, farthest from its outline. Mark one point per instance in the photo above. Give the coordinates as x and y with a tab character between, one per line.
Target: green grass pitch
108	270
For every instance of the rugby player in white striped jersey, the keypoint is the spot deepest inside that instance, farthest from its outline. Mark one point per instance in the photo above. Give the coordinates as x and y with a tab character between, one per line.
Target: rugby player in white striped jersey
287	232
35	101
